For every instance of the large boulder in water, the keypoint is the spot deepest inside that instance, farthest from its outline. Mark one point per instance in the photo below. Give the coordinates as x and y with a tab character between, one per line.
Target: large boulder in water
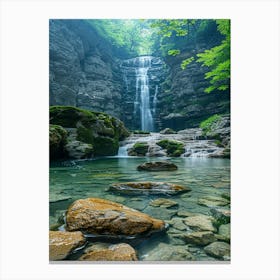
158	188
109	252
104	217
62	243
157	166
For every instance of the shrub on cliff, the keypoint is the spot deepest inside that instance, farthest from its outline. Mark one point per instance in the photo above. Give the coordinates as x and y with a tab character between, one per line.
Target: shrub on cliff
207	124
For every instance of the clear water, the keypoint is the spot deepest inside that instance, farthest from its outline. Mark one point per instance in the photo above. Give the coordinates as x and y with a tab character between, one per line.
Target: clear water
83	179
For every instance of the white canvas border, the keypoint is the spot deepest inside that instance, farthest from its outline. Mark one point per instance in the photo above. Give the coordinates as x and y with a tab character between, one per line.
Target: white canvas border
255	138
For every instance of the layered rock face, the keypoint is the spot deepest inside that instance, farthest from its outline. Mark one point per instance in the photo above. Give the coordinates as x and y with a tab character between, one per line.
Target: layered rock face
183	102
83	70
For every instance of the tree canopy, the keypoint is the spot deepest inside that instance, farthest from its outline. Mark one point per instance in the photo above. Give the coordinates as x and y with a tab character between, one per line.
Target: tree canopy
135	36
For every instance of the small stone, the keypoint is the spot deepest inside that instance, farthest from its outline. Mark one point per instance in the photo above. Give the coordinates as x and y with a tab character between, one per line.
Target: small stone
109	252
178	224
212	201
218	249
184	213
163	202
200	237
163	213
62	243
224	230
221	215
167	252
136	188
200	222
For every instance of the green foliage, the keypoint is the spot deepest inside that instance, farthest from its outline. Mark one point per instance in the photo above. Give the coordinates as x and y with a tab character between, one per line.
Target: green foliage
173	148
132	35
217	59
207	124
186	62
173	52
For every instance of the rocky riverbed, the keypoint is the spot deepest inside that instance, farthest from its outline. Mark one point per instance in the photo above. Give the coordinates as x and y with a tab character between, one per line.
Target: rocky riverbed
90	221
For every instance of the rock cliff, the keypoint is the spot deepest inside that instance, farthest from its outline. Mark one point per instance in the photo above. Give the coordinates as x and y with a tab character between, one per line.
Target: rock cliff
183	102
83	72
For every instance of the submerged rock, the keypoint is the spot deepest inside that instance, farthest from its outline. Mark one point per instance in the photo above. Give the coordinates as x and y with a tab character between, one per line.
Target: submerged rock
62	243
163	202
104	217
212	201
224	231
221	215
166	252
163	214
200	237
200	222
218	249
109	252
178	223
136	188
157	166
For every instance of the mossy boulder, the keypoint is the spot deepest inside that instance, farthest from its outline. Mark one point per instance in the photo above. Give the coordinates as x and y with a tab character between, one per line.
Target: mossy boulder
173	148
68	116
101	132
57	141
139	149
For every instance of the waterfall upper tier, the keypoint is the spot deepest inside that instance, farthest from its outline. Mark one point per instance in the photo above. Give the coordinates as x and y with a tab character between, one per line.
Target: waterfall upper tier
142	77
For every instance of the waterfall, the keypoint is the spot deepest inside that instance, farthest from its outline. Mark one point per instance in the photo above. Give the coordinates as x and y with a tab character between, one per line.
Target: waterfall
122	151
142	90
155	100
142	76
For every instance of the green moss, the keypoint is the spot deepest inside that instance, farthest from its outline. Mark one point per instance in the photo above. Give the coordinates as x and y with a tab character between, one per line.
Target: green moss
85	135
140	148
218	143
100	130
173	148
105	146
207	124
57	141
68	116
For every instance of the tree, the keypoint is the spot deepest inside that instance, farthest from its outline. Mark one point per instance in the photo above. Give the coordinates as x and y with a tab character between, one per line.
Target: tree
216	58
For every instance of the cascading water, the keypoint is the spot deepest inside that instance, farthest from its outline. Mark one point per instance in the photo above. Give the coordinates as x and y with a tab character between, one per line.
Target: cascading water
142	90
142	76
155	100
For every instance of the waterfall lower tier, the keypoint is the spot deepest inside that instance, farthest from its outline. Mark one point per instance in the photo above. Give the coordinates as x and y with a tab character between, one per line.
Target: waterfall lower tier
142	76
189	142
